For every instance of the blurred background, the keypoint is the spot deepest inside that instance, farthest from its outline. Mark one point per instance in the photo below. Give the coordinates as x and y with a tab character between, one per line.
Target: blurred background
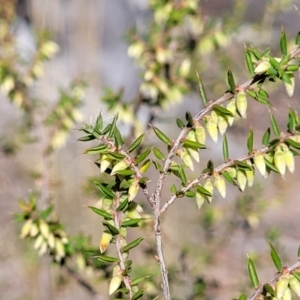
92	39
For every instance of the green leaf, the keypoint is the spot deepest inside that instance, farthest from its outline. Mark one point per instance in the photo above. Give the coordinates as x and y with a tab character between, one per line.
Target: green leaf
243	165
142	156
112	229
106	129
292	121
243	297
145	166
115	155
190	194
113	125
173	189
180	194
274	63
98	149
250	141
136	143
189	118
269	289
131	222
297	41
227	176
106	259
275	258
192	144
266	137
231	82
137	280
271	167
123	206
249	63
283	44
202	90
46	212
137	295
118	138
286	78
106	191
180	123
298	253
252	273
203	191
86	138
101	212
162	136
210	166
182	175
293	143
158	153
225	149
99	122
132	245
157	166
274	125
223	111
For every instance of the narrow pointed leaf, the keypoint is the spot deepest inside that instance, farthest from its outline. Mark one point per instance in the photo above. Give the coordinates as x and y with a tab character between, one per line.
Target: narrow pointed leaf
192	144
98	149
115	155
101	212
243	297
231	82
249	63
271	166
157	166
162	136
112	229
268	288
99	122
182	175
136	281
293	143
113	126
87	138
189	118
225	149
266	137
190	194
106	191
173	189
223	111
283	44
131	222
250	141
132	245
142	156
125	172
123	206
180	123
106	259
118	138
297	41
252	273
136	143
158	153
274	125
228	177
202	90
203	191
137	295
275	258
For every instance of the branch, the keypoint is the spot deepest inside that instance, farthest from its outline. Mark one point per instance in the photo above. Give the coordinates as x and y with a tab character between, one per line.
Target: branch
273	281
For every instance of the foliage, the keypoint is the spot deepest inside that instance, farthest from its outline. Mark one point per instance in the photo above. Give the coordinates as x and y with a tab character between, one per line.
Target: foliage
166	53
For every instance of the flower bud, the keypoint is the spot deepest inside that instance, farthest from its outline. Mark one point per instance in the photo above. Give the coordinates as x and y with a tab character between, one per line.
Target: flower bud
38	242
220	185
119	166
186	158
287	295
295	285
105	163
231	106
241	179
133	190
214	115
200	134
43	248
222	124
51	241
34	230
212	129
7	85
191	136
194	153
26	229
279	161
199	200
105	240
208	186
59	248
231	171
241	104
289	160
44	228
281	286
262	67
250	177
260	163
49	48
115	283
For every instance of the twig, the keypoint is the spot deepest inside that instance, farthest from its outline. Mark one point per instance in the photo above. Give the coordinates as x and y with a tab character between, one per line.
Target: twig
273	281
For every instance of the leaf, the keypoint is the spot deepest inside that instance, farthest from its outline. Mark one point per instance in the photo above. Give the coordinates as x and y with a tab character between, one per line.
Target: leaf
106	191
249	63
269	289
158	153
101	212
274	125
157	166
283	44
250	141
131	222
145	166
227	176
286	78
182	175
86	138
106	129
46	212
132	245
275	258
136	143
123	206
118	138
270	166
243	165
252	273
189	118
243	297
190	194
99	122
297	41
266	137
173	189
298	252
98	149
162	136
137	295
292	121
191	144
225	149
210	166
231	82
124	172
137	280
112	229
113	125
180	123
142	156
106	259
223	111
203	191
115	155
293	143
202	90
